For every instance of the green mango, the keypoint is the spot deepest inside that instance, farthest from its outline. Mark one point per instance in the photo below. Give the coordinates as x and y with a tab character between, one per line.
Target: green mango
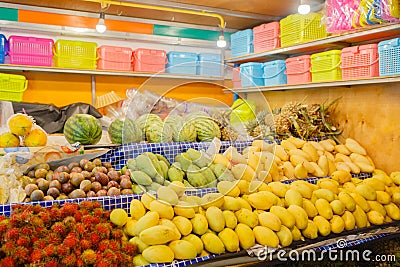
164	168
153	187
195	177
218	169
209	175
193	154
145	164
131	164
159	179
175	174
166	183
162	158
151	155
203	161
212	184
183	161
227	176
140	178
187	184
138	189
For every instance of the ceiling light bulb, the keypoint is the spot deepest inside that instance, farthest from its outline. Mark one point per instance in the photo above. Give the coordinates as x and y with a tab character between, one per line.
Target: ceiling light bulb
221	43
101	26
304	9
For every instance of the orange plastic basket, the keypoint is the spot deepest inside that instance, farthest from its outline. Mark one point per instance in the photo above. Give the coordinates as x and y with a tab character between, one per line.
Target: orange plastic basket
360	62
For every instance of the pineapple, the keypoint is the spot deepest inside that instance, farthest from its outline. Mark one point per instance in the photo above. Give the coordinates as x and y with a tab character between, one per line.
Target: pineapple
222	118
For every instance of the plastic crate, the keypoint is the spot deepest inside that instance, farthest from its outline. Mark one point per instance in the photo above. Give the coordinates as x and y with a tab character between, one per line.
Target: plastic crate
182	63
149	60
114	58
75	54
3	48
299	28
298	69
237	83
389	57
12	87
266	37
325	66
242	43
30	51
274	73
360	62
252	74
209	64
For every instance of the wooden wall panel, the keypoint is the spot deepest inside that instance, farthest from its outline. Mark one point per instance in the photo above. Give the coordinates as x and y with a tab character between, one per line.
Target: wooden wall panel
369	114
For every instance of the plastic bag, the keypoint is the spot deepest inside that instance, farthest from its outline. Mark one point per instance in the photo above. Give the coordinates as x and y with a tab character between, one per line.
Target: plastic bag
6	111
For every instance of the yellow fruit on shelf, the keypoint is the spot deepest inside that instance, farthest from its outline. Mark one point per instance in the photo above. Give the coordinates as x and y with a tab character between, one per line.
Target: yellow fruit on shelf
266	237
246	236
36	137
158	254
230	239
20	124
119	217
196	242
212	243
9	140
183	250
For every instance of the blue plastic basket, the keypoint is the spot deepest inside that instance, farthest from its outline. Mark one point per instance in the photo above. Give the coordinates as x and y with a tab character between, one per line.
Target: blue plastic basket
242	43
389	57
274	73
209	64
252	74
3	48
181	63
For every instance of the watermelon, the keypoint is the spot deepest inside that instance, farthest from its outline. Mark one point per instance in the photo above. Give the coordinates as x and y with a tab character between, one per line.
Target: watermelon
124	130
187	133
83	128
196	115
206	130
159	133
145	120
175	122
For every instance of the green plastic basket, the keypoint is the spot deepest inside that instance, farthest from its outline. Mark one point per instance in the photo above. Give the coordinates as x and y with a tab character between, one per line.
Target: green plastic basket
12	87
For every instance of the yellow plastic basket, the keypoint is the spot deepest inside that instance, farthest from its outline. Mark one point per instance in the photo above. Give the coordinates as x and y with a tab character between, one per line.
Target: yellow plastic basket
12	87
75	54
325	66
299	28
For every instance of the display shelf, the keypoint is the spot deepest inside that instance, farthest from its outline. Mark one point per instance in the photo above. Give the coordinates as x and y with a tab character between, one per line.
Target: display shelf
16	68
284	87
373	34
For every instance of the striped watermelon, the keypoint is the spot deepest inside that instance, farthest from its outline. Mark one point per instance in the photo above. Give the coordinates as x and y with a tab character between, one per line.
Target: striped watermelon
206	130
159	133
187	133
124	130
175	122
83	128
145	120
196	115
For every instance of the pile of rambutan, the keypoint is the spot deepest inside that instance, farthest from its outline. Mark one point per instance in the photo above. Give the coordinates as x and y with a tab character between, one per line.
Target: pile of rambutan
68	235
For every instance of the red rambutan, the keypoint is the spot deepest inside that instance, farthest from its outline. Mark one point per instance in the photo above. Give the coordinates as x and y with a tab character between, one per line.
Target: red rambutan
36	256
54	238
50	250
70	241
104	229
3	228
85	244
12	233
95	238
110	256
89	256
9	247
37	208
78	216
7	261
113	245
69	222
87	220
129	249
59	228
103	245
77	252
55	213
2	218
45	217
86	205
23	241
102	263
106	214
117	234
36	221
69	209
51	263
69	260
39	244
85	212
98	212
80	228
80	263
62	251
21	254
96	204
27	231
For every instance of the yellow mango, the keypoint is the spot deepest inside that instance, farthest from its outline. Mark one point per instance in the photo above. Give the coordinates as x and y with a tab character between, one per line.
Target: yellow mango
288	170
375	217
148	220
212	199
231	203
171	225
364	167
244	187
158	235
324	165
296	234
341	166
349	187
247	217
245	235
361	201
260	201
310	209
311	231
300	215
382	176
353	167
347	200
329	184
266	237
212	243
199	224
293	197
300	171
341	176
316	169
243	203
230	219
297	142
230	239
271	196
360	217
327	145
324	194
396	198
183	224
165	210
263	146
269	220
302	188
376	206
287	219
228	188
139	260
299	152
366	191
146	199
316	145
338	207
331	166
167	194
355	147
139	243
323	225
342	149
243	172
254	161
137	209
311	151
392	211
279	189
285	236
337	224
287	145
281	153
184	209
194	202
221	159
324	208
349	220
183	250
297	159
158	254
339	157
215	218
195	241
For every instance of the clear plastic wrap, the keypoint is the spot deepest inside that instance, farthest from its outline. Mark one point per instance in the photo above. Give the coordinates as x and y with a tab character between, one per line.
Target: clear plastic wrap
345	15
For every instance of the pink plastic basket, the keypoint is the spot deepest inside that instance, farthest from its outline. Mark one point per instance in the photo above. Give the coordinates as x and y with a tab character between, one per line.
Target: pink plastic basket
114	58
149	60
298	69
360	62
237	83
266	37
30	51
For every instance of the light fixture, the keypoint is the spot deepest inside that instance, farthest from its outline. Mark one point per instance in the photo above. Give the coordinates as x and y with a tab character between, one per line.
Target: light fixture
221	43
304	8
101	26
